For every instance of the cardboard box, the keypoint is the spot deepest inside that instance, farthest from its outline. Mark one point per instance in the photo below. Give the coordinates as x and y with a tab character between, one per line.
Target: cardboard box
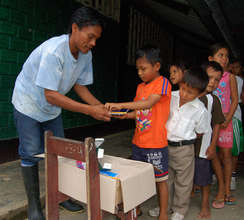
134	184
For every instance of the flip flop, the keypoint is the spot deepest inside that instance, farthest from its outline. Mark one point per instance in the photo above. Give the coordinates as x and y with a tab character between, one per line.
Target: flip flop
230	200
218	203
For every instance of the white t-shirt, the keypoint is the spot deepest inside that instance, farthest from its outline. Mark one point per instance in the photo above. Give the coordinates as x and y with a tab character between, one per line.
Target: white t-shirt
50	66
185	121
237	113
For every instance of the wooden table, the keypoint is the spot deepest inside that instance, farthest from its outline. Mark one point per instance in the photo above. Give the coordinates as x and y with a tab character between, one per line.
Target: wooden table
77	150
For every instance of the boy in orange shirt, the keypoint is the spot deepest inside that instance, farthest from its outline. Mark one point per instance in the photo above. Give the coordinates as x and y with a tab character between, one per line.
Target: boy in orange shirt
151	110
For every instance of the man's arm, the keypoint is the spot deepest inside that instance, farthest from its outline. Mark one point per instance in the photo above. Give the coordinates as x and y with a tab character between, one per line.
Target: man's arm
85	95
96	111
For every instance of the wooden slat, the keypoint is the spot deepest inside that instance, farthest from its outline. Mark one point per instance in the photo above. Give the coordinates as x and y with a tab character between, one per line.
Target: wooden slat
66	148
51	181
92	181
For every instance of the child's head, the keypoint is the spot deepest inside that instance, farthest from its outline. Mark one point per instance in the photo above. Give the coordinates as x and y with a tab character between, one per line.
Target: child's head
194	82
215	72
176	70
219	53
237	67
148	63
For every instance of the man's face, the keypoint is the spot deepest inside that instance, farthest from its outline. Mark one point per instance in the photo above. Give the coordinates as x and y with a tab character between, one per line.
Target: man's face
86	37
214	78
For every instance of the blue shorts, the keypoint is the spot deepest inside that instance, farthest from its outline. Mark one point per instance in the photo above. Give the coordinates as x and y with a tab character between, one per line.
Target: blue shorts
31	136
158	157
203	172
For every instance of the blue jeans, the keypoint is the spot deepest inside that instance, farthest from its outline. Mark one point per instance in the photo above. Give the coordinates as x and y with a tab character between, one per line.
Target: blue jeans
31	136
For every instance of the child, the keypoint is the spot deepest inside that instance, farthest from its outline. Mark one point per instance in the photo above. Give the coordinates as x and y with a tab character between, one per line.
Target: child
237	123
176	70
151	106
205	147
227	92
188	117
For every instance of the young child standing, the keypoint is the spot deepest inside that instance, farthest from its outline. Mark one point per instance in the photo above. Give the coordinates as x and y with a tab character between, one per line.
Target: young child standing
151	110
227	92
205	147
176	70
188	117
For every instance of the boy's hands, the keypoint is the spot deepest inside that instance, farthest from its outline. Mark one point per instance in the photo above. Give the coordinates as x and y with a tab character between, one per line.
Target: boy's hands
113	106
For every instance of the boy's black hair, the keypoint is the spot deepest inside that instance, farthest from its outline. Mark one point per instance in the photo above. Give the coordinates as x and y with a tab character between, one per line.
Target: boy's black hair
216	66
196	77
85	16
150	52
179	64
213	49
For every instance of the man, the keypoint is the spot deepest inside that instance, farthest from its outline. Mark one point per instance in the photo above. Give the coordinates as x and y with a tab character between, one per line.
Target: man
51	71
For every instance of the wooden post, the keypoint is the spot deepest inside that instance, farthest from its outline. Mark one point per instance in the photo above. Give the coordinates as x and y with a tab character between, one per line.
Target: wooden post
51	181
92	181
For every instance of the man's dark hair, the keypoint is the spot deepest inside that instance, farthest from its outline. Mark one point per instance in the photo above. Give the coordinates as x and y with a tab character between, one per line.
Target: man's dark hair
216	66
150	52
85	16
196	78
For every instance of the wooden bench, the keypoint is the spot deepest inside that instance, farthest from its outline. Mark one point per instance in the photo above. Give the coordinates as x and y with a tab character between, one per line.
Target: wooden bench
86	152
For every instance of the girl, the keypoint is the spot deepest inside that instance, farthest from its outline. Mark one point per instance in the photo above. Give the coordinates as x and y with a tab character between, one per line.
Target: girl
227	92
176	70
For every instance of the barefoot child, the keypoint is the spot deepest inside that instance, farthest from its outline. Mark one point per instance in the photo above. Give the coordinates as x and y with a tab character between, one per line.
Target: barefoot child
205	147
188	117
227	92
151	110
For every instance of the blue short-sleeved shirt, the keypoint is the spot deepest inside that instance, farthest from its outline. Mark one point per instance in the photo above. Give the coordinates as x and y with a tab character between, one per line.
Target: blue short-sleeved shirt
49	66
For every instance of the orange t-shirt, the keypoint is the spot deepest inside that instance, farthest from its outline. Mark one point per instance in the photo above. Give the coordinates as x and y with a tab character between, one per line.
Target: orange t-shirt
150	129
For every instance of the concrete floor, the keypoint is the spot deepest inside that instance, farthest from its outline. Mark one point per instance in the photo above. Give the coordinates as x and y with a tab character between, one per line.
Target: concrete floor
13	200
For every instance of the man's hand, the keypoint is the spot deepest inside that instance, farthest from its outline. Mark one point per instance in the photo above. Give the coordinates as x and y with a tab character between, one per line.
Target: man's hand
99	112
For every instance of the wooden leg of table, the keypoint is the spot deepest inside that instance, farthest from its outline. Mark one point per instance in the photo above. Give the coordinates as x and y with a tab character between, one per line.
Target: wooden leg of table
93	181
51	169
